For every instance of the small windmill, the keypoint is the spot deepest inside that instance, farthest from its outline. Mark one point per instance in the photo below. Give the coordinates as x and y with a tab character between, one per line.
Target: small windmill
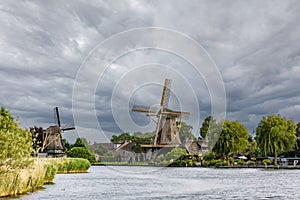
168	123
50	140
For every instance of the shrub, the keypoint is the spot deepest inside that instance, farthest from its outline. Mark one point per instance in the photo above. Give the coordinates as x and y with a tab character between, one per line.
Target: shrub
81	152
250	163
266	162
240	162
209	156
212	162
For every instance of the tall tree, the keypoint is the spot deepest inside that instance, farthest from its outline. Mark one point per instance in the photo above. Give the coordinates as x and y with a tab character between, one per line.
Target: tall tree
121	138
297	149
233	139
275	134
206	125
15	144
185	132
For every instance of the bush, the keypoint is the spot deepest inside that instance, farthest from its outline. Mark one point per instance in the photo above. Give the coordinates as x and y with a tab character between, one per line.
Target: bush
212	162
266	162
240	162
250	163
209	156
231	161
81	152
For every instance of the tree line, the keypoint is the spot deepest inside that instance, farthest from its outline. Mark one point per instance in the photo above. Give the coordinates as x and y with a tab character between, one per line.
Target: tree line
275	135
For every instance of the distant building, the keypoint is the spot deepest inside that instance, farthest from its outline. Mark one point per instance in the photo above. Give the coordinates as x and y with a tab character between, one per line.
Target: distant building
196	147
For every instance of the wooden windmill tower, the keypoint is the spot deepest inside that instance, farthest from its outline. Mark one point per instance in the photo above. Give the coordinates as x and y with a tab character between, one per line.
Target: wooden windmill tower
168	121
50	140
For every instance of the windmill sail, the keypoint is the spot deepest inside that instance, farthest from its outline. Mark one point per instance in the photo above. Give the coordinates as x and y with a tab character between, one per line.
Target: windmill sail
166	94
167	129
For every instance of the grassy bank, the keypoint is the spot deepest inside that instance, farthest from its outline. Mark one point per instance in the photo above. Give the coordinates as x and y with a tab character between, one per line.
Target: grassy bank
42	172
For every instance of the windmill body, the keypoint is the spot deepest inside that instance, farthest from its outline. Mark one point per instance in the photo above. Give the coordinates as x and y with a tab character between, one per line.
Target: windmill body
49	141
168	121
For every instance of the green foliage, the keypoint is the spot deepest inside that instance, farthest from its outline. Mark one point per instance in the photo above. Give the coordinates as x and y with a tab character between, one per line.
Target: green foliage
175	153
100	150
231	161
73	165
250	163
185	132
81	152
121	138
275	134
143	138
233	139
297	150
208	122
240	162
15	144
266	162
209	156
50	173
67	146
212	131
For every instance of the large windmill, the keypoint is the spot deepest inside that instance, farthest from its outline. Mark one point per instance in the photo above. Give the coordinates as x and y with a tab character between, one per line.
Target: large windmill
49	140
168	121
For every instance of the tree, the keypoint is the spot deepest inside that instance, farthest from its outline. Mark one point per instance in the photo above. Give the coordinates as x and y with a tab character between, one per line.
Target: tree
15	144
207	123
297	149
233	139
211	131
185	132
275	134
121	138
81	152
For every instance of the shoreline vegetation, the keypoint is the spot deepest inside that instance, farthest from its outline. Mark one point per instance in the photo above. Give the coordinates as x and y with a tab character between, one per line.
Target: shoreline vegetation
42	171
146	164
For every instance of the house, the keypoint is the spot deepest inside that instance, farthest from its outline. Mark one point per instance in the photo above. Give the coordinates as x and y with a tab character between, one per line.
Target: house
196	147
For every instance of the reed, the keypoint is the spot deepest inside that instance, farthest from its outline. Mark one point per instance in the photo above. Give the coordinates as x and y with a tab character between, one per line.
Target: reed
42	172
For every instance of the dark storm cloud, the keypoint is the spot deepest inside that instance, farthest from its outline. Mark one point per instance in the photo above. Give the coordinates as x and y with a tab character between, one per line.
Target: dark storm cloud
254	44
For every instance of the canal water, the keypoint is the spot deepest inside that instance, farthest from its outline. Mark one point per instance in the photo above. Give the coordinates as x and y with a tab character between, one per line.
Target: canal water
123	182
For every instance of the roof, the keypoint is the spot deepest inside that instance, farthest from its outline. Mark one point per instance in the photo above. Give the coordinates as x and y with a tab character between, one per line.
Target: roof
196	147
127	146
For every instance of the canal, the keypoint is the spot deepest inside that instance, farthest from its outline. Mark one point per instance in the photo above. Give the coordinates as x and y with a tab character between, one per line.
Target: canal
121	182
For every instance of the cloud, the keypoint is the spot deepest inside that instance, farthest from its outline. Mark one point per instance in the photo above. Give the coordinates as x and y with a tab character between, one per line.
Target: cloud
43	44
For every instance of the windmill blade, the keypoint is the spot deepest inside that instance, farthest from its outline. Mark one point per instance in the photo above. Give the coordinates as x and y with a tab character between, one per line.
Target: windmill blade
166	94
144	109
56	115
172	112
67	127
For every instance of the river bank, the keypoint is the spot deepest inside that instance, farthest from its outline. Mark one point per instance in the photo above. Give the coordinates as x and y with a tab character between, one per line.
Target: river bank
42	172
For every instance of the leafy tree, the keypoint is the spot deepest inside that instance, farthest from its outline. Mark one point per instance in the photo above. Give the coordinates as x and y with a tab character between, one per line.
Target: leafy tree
206	126
143	138
275	134
297	149
81	152
185	132
102	151
80	142
66	144
15	144
233	139
121	138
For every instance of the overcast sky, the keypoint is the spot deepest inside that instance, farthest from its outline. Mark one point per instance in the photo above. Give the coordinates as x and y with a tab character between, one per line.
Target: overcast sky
45	44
